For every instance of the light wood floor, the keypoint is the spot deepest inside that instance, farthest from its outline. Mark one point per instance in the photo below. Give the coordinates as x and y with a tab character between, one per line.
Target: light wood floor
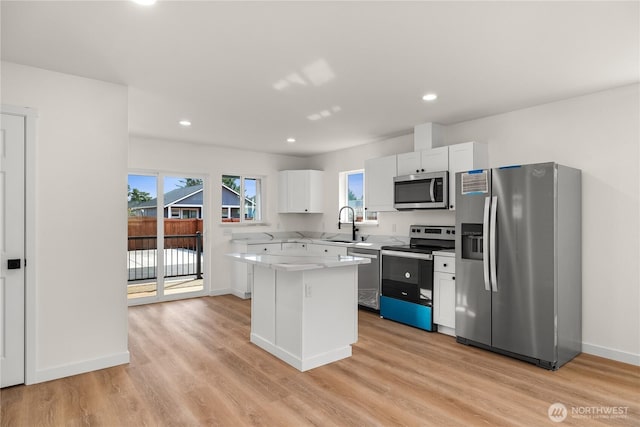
192	364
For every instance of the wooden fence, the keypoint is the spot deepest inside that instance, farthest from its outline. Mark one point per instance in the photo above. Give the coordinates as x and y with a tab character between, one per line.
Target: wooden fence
147	226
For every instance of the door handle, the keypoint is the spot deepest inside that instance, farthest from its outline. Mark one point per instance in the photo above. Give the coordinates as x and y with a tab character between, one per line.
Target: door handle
492	245
431	187
485	244
14	264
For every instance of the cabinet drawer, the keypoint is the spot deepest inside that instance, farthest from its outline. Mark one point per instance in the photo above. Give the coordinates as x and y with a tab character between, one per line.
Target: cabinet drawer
404	291
259	249
444	264
328	250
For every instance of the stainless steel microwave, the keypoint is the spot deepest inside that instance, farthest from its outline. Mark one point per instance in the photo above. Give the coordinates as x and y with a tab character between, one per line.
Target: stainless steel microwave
421	191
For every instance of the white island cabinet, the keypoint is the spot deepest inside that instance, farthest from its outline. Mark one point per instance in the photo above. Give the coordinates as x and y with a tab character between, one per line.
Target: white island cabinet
304	309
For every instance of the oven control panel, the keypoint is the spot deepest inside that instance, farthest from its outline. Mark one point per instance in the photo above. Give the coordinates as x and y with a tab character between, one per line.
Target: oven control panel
432	232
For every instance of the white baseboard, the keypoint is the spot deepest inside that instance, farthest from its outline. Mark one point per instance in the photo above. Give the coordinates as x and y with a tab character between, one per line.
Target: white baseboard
609	353
218	292
240	294
80	367
230	291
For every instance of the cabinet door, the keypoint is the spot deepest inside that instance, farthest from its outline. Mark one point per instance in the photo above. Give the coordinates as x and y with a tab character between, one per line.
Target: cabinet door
409	163
464	157
314	191
378	186
283	191
297	191
300	191
444	289
435	160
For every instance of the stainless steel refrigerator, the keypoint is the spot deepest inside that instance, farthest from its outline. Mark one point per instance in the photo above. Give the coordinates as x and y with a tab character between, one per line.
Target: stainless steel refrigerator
518	262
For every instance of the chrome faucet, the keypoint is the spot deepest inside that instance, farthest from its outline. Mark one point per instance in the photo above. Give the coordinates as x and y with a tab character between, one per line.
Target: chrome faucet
353	221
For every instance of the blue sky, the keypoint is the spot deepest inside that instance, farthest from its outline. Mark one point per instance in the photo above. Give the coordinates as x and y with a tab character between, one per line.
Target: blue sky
355	185
147	183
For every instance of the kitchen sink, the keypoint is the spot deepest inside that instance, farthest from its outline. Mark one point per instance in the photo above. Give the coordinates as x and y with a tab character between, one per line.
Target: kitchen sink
339	241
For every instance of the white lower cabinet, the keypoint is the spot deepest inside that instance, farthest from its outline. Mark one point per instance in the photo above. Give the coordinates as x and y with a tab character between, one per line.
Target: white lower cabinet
444	294
242	285
242	274
294	246
326	249
264	248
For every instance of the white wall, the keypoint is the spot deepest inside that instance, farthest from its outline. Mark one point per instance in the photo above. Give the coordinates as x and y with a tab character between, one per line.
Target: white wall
598	133
80	227
185	158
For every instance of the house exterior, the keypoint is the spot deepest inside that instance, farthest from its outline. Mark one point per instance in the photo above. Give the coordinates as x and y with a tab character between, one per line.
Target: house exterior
181	203
187	202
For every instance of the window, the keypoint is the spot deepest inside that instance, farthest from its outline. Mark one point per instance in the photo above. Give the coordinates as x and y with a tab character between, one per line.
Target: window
352	192
241	199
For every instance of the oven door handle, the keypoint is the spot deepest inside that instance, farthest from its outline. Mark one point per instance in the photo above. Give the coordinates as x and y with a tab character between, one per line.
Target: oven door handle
485	244
431	189
412	255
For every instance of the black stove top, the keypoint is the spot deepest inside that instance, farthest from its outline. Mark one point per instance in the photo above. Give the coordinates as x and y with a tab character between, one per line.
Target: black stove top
425	239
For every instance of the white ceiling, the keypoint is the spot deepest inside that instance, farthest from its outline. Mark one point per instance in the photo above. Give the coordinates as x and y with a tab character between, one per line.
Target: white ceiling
330	74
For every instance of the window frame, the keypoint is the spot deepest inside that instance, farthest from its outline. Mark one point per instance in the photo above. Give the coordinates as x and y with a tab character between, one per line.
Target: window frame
343	197
260	205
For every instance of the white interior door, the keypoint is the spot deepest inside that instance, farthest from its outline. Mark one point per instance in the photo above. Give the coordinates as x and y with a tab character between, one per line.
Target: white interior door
12	249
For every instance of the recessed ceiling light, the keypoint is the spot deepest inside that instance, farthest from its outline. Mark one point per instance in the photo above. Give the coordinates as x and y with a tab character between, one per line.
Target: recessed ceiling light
430	97
185	123
291	140
144	2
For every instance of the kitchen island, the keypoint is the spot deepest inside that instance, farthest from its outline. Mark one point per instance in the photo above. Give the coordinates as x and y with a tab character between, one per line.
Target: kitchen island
304	309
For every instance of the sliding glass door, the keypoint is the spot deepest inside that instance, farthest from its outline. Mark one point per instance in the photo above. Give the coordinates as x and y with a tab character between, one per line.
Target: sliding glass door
166	241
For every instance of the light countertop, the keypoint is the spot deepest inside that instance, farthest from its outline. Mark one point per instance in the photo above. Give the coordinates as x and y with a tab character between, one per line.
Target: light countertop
445	252
371	242
289	262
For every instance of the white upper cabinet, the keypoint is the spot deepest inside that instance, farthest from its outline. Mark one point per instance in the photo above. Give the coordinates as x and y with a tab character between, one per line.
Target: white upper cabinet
465	157
300	191
378	186
433	160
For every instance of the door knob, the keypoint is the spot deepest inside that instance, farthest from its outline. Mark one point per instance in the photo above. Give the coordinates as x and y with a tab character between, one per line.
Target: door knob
13	264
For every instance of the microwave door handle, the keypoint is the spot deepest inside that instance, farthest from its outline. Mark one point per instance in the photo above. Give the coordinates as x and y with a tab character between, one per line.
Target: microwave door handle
431	189
492	245
485	244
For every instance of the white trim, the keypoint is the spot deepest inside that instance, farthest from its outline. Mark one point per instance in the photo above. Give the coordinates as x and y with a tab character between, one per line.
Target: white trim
238	293
610	353
30	315
296	361
218	292
81	367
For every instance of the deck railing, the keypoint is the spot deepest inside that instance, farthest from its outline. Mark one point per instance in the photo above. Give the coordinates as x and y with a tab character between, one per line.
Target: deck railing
182	256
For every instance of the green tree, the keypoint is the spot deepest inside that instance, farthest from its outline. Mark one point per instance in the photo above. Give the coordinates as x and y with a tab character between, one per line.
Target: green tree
190	182
136	195
352	195
233	182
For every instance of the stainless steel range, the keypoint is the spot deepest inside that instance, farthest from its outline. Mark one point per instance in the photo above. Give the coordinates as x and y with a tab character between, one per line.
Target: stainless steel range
407	276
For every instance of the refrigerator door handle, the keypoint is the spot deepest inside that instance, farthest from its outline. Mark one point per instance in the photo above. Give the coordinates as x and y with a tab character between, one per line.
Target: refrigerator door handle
431	190
485	243
492	244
